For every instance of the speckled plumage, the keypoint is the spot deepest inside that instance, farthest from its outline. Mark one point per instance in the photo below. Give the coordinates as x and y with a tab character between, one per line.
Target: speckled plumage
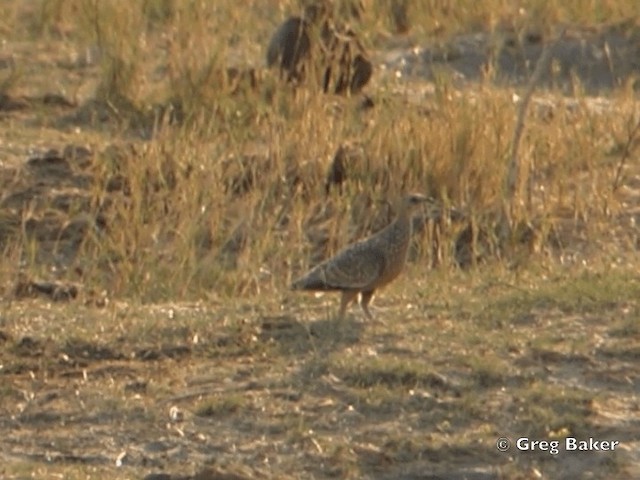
367	265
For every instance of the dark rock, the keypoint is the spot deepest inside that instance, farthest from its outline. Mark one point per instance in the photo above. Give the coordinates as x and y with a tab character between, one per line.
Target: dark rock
314	44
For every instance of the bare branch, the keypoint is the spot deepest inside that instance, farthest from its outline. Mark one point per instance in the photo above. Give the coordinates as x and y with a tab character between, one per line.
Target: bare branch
511	192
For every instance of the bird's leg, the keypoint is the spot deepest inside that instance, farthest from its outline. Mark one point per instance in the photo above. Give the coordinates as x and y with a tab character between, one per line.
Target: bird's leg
364	303
347	298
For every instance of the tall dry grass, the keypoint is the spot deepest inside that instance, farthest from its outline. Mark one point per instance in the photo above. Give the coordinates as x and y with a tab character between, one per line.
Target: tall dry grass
225	183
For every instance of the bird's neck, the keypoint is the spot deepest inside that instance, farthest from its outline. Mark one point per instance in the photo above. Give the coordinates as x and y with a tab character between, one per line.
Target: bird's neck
403	215
403	219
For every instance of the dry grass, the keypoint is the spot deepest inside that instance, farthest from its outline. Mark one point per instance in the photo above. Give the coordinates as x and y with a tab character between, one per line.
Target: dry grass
319	399
203	194
249	162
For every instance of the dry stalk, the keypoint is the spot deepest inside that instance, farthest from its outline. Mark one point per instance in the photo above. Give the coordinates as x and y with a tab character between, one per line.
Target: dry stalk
512	180
626	152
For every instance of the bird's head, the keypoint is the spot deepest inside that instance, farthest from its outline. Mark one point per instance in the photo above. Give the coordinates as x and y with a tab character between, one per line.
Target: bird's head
412	201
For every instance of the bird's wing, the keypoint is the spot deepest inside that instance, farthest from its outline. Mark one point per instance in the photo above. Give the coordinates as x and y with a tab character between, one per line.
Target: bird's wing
354	268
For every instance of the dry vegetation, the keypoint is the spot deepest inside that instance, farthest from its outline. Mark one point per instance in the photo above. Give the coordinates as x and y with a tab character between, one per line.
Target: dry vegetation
160	190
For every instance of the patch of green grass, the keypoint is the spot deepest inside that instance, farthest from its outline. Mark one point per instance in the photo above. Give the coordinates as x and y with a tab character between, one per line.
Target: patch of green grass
626	327
222	405
629	353
378	399
29	469
342	462
585	293
389	373
488	371
544	408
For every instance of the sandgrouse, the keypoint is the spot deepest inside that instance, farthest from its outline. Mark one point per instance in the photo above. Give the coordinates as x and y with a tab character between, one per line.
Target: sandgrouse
367	265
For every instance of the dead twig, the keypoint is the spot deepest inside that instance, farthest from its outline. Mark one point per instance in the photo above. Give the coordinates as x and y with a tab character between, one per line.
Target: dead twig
512	180
626	153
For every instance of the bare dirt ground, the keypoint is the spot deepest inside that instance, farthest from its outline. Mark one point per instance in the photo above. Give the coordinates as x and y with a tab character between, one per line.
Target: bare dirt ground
97	389
241	393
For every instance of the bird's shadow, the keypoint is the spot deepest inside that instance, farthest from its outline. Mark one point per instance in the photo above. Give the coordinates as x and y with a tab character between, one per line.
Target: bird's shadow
294	336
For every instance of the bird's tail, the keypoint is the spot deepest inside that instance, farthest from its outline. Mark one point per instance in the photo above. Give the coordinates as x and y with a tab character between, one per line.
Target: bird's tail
314	280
